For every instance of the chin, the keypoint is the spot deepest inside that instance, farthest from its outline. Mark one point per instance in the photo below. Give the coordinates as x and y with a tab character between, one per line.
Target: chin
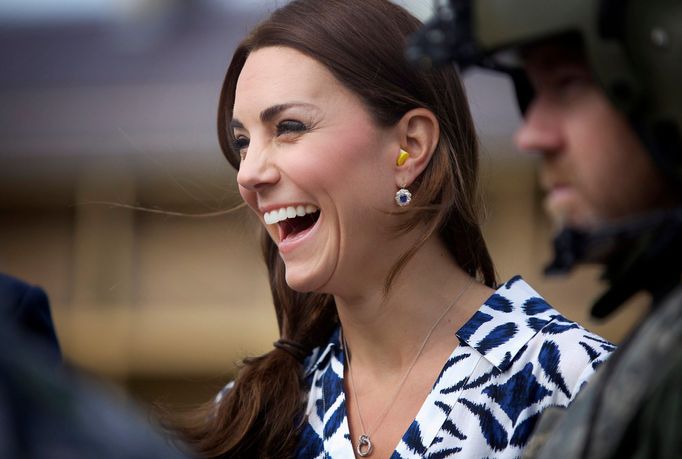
567	213
578	221
305	281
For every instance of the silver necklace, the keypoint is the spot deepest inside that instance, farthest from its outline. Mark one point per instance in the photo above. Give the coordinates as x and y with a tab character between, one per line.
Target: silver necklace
364	446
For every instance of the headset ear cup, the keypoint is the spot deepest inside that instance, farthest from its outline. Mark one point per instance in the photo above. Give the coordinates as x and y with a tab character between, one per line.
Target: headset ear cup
523	89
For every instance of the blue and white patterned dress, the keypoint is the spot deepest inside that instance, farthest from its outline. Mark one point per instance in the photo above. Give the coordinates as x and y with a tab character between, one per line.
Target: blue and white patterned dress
517	356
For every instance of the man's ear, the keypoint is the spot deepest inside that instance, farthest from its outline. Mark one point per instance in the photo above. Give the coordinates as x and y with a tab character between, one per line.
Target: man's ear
419	133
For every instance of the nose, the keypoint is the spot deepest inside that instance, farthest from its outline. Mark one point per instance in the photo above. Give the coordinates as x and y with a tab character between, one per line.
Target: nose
257	170
541	129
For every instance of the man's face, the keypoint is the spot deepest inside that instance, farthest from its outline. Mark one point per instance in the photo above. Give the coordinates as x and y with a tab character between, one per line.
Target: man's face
594	169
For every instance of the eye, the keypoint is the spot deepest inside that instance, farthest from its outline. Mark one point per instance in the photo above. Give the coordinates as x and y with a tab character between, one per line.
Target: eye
290	127
571	79
239	145
567	81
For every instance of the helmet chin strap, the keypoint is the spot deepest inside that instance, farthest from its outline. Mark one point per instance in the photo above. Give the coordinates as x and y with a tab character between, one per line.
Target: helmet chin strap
643	253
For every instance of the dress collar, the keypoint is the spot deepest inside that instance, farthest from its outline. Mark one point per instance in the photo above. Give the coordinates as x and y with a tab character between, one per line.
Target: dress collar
499	330
319	356
506	321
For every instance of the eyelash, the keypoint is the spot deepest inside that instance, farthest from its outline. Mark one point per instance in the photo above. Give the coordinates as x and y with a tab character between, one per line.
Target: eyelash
283	127
240	143
290	126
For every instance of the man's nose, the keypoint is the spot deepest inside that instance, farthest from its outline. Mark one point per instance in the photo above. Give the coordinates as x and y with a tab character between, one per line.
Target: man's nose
541	130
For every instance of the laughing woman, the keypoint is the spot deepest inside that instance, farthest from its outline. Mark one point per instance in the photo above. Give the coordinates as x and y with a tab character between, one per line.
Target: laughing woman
363	173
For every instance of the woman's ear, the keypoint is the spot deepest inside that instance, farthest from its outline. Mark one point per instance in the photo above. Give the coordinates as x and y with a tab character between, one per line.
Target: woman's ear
419	133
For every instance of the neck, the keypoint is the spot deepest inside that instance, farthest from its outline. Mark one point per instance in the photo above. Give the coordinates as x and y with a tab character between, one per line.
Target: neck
385	329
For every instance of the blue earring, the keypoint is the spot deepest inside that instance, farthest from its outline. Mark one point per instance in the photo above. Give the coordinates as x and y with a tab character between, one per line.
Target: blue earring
403	196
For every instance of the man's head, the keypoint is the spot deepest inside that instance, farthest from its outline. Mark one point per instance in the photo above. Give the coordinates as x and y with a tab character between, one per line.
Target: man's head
598	83
594	168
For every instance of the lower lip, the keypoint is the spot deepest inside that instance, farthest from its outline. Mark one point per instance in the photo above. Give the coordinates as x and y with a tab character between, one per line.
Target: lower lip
559	193
291	243
559	198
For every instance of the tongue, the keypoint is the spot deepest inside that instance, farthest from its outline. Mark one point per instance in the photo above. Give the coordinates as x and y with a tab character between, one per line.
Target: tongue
293	226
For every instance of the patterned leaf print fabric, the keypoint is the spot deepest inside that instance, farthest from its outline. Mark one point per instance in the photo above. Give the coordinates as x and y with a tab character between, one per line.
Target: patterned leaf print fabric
517	356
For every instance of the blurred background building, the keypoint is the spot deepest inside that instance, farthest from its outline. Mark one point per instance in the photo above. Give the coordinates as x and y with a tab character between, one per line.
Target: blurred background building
107	104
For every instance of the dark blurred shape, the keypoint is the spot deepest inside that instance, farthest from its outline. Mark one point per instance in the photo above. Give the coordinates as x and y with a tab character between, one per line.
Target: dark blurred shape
629	263
446	38
48	413
27	307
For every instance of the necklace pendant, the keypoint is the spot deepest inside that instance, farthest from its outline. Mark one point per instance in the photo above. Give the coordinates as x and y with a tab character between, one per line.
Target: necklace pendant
364	447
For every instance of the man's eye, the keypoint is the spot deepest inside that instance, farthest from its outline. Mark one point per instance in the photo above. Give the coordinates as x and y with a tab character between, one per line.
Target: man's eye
569	80
290	126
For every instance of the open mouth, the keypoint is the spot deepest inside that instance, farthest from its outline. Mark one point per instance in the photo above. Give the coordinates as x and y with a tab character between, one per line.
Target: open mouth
292	227
293	221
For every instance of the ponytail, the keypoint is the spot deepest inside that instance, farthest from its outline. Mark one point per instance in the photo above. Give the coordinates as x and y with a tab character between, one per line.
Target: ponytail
263	412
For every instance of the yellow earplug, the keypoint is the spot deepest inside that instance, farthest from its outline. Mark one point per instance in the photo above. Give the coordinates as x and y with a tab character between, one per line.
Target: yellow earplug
402	157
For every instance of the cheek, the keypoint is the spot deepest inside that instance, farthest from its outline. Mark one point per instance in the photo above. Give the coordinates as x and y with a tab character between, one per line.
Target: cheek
597	135
613	167
362	162
338	166
250	199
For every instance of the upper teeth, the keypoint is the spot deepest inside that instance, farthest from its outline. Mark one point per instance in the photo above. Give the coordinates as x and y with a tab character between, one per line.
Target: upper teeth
278	215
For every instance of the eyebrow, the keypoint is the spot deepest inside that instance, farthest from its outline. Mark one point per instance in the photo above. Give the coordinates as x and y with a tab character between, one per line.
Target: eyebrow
271	112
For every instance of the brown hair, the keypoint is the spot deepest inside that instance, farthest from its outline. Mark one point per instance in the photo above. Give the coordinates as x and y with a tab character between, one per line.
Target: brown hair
362	43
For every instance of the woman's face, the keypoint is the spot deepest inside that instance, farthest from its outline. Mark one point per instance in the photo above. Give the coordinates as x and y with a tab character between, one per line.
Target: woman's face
316	169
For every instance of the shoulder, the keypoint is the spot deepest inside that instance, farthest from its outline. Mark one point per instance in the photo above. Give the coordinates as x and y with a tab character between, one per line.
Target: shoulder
18	298
567	354
659	421
28	307
518	332
14	293
637	417
55	409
